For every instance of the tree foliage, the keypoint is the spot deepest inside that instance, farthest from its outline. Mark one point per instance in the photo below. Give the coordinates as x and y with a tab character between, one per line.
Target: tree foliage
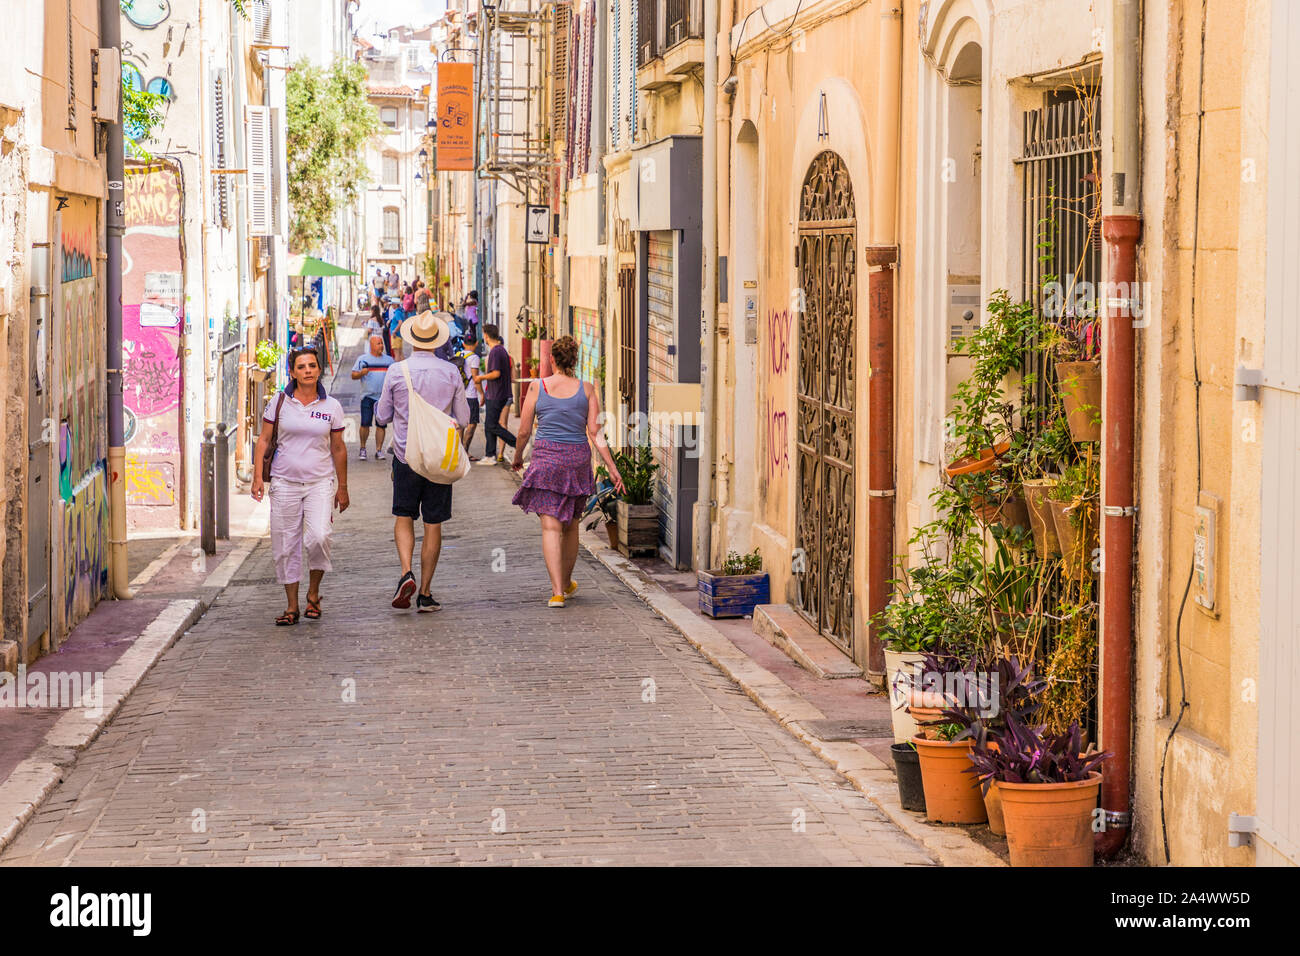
329	122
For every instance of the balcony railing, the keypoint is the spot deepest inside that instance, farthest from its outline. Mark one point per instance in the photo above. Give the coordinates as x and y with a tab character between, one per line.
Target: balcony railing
649	33
685	21
388	245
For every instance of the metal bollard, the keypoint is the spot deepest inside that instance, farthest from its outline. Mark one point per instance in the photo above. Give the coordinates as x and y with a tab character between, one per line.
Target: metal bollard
207	496
222	482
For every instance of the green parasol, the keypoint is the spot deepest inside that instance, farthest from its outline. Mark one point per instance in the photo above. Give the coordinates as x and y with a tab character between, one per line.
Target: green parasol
310	266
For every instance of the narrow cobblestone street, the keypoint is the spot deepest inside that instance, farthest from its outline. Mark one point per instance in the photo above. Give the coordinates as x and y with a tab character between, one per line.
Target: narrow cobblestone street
496	730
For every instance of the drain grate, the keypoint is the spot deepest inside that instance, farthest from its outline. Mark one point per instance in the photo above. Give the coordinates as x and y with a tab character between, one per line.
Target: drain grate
848	729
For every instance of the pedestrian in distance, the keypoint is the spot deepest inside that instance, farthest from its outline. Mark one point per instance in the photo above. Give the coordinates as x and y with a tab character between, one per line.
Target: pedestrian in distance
370	368
471	363
396	317
496	392
559	479
309	478
440	384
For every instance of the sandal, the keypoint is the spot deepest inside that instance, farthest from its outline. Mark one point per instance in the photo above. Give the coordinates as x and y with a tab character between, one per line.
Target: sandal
313	610
287	619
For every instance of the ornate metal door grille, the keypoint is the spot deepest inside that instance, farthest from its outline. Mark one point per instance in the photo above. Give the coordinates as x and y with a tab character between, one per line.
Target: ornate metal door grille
826	260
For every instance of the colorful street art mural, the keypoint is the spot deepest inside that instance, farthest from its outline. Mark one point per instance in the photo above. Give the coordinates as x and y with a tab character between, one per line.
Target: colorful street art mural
82	515
153	312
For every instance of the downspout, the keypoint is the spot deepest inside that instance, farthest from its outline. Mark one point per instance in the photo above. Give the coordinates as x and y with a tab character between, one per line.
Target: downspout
726	454
1121	227
241	225
703	517
881	256
110	36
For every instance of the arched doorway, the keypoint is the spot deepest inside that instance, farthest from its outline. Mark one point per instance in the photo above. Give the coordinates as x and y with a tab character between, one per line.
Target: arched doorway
827	267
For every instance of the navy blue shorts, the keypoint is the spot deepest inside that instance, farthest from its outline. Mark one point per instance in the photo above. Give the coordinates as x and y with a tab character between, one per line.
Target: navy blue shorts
414	495
368	411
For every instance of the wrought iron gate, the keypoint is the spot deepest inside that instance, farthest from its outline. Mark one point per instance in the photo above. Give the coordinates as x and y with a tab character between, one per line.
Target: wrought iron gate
826	260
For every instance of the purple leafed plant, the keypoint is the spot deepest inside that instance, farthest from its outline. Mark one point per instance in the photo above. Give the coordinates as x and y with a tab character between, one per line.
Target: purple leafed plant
1027	755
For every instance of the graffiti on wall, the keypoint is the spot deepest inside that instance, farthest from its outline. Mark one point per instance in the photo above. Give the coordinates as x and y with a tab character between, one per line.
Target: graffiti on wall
82	513
153	309
776	418
153	52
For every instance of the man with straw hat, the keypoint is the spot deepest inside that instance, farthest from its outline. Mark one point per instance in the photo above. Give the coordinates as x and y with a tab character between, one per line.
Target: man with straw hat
439	383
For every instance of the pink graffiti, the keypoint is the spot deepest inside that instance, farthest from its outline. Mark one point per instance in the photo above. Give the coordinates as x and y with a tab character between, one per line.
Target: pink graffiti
153	369
777	423
778	338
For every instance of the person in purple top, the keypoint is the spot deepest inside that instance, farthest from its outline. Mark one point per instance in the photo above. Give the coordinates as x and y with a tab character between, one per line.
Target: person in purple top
496	391
439	383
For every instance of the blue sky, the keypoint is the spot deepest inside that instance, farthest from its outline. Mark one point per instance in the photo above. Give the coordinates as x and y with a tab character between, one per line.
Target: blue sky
391	13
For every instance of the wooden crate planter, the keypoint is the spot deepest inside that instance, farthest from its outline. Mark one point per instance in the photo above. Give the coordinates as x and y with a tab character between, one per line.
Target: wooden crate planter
638	529
732	595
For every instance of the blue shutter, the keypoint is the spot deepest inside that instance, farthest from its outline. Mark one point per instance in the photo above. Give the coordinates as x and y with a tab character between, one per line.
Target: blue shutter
616	104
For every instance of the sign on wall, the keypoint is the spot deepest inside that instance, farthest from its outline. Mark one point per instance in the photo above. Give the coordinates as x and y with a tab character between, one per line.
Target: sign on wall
455	116
537	228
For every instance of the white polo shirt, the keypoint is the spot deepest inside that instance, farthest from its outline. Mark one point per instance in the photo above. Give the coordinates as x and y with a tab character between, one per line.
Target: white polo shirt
303	452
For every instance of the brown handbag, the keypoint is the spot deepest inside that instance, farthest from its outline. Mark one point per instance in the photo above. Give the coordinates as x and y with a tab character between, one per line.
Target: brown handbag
275	437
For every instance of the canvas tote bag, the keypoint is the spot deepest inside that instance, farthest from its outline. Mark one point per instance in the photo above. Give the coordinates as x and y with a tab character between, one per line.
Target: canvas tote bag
433	445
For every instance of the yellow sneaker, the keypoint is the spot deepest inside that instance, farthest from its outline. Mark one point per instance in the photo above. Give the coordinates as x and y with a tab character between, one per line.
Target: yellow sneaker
557	600
571	590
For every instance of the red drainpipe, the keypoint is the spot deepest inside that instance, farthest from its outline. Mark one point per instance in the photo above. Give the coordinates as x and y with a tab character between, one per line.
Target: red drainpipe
1121	233
880	439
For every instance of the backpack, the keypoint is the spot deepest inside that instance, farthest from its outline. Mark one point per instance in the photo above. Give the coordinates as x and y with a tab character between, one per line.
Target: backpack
433	446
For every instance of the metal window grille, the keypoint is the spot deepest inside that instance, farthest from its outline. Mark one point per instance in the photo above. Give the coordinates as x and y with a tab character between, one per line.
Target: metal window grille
1061	241
685	21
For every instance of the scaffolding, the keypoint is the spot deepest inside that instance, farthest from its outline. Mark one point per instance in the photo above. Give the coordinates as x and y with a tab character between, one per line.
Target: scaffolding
514	139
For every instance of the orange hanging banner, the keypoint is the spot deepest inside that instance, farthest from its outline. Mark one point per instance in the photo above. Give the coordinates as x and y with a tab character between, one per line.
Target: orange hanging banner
455	149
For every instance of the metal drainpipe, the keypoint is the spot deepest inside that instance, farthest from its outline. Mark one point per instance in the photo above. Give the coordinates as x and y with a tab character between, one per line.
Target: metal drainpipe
1121	227
703	516
725	453
110	35
881	257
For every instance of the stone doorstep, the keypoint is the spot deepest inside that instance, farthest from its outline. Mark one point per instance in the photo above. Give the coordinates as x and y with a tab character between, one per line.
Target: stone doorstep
949	845
784	629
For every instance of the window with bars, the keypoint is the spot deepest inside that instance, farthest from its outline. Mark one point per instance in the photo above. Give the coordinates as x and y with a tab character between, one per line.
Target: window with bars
220	150
391	170
685	21
648	43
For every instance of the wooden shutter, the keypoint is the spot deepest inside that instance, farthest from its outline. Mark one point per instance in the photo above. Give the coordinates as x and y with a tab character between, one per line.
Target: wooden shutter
257	141
220	152
560	73
279	171
616	87
260	13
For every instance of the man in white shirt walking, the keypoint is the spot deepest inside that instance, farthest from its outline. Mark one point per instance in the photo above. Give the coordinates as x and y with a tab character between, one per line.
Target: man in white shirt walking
439	383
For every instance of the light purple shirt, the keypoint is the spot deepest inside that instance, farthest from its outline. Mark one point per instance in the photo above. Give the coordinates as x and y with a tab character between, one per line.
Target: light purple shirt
438	383
303	438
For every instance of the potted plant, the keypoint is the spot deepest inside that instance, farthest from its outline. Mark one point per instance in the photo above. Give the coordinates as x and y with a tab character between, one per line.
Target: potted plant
944	745
907	767
1073	502
638	518
267	355
1048	789
736	588
1076	347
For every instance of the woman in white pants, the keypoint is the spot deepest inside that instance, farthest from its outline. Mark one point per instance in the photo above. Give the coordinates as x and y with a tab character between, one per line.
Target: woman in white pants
309	476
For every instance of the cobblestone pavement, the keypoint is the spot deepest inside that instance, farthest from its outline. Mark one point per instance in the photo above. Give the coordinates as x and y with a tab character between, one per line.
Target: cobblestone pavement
494	731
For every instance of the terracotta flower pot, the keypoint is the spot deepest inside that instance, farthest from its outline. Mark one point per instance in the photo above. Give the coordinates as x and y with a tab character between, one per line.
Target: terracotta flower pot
924	707
1041	522
1078	540
993	807
1006	510
1080	384
1048	824
973	464
900	667
951	794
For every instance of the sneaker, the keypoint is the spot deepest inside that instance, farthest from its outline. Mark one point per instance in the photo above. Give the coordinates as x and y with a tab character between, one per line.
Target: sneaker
406	588
557	600
571	590
425	602
486	461
362	456
379	456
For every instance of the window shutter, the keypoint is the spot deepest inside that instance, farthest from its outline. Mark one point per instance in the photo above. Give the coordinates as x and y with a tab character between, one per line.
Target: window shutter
258	140
616	101
279	170
263	31
634	58
220	152
560	74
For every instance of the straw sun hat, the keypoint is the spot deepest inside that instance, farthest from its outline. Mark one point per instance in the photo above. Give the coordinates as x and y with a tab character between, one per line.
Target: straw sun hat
427	330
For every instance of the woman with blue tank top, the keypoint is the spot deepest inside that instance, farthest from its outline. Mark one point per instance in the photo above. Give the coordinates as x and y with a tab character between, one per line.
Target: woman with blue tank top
559	479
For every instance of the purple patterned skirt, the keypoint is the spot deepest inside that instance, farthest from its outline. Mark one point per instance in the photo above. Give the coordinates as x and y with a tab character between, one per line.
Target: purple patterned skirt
558	481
